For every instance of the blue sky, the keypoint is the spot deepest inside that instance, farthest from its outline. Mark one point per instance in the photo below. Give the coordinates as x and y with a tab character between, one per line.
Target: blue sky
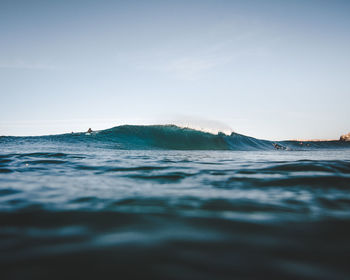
268	69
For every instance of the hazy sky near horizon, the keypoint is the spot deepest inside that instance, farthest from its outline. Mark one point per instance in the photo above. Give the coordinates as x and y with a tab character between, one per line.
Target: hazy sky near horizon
268	69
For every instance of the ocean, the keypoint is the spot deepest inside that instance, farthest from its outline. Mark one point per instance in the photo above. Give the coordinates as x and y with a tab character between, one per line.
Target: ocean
163	202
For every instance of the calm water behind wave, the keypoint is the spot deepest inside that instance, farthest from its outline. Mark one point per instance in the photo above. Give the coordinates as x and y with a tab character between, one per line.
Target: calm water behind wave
86	211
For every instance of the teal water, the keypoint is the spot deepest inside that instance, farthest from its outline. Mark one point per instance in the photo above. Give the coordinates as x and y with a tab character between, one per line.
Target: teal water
167	203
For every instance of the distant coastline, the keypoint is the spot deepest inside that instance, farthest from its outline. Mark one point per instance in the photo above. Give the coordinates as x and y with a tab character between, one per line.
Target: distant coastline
342	138
345	137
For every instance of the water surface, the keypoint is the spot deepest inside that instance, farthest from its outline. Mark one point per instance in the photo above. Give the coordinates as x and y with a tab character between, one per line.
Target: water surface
130	209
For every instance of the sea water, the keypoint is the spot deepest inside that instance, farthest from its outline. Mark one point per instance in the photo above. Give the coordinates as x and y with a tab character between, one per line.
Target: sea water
138	206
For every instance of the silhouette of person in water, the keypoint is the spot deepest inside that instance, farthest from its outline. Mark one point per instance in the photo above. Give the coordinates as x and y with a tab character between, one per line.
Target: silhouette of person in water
89	130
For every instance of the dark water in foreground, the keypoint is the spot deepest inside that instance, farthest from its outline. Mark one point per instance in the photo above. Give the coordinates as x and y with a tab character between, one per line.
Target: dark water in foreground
78	209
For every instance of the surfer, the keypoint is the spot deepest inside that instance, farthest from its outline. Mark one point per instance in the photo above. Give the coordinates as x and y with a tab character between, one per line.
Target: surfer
89	130
278	146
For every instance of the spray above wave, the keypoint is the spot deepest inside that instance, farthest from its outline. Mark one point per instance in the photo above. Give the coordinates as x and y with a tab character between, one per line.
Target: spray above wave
172	137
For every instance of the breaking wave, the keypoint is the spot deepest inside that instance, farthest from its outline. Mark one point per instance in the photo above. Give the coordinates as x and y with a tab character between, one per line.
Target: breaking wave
172	137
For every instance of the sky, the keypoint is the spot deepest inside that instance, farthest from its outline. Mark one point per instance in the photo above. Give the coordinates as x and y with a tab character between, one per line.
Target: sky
268	69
